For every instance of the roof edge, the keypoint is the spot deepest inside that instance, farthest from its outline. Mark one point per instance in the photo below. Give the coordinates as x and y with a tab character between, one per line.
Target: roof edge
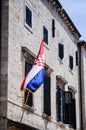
63	14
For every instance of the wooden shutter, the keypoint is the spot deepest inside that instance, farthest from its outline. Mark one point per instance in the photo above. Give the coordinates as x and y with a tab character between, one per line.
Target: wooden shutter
71	62
68	108
28	16
28	66
61	50
45	34
47	96
73	124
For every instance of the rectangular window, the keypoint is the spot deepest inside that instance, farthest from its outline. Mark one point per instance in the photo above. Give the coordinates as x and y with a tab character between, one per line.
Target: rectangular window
47	95
45	34
76	57
28	66
68	108
71	62
65	107
28	17
60	104
53	27
73	124
61	50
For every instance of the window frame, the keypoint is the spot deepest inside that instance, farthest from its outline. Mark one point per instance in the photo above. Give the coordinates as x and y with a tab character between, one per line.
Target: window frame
30	29
29	24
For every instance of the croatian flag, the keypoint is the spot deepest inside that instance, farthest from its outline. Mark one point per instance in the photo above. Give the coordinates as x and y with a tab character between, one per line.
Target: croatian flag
35	78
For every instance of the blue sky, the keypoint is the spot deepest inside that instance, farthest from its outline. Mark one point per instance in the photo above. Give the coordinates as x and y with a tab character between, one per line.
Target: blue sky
76	9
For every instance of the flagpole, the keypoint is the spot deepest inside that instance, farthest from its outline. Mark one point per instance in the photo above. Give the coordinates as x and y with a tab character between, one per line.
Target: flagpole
24	106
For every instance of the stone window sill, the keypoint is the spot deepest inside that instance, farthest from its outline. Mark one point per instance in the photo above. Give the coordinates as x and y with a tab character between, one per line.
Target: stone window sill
28	28
61	124
71	71
30	109
45	116
60	60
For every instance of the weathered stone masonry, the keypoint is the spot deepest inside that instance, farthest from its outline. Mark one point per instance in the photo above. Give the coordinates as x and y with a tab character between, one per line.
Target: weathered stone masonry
18	43
4	63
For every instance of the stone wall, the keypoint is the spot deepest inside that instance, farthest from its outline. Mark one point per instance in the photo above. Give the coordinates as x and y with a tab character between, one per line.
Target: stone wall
18	126
3	63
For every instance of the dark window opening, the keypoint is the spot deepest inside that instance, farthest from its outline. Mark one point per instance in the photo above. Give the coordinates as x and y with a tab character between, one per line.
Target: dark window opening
47	95
28	17
71	62
61	50
76	57
53	27
45	34
65	107
28	66
68	108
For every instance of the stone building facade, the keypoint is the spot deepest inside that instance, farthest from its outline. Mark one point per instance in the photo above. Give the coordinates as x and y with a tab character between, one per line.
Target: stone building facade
55	106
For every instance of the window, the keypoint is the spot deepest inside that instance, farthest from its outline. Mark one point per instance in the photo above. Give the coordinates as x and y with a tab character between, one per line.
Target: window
53	27
73	123
28	66
71	62
61	50
76	57
60	105
47	95
70	110
28	17
65	107
45	34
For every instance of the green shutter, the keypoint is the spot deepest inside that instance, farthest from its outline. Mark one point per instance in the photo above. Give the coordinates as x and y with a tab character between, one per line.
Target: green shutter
73	124
47	96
